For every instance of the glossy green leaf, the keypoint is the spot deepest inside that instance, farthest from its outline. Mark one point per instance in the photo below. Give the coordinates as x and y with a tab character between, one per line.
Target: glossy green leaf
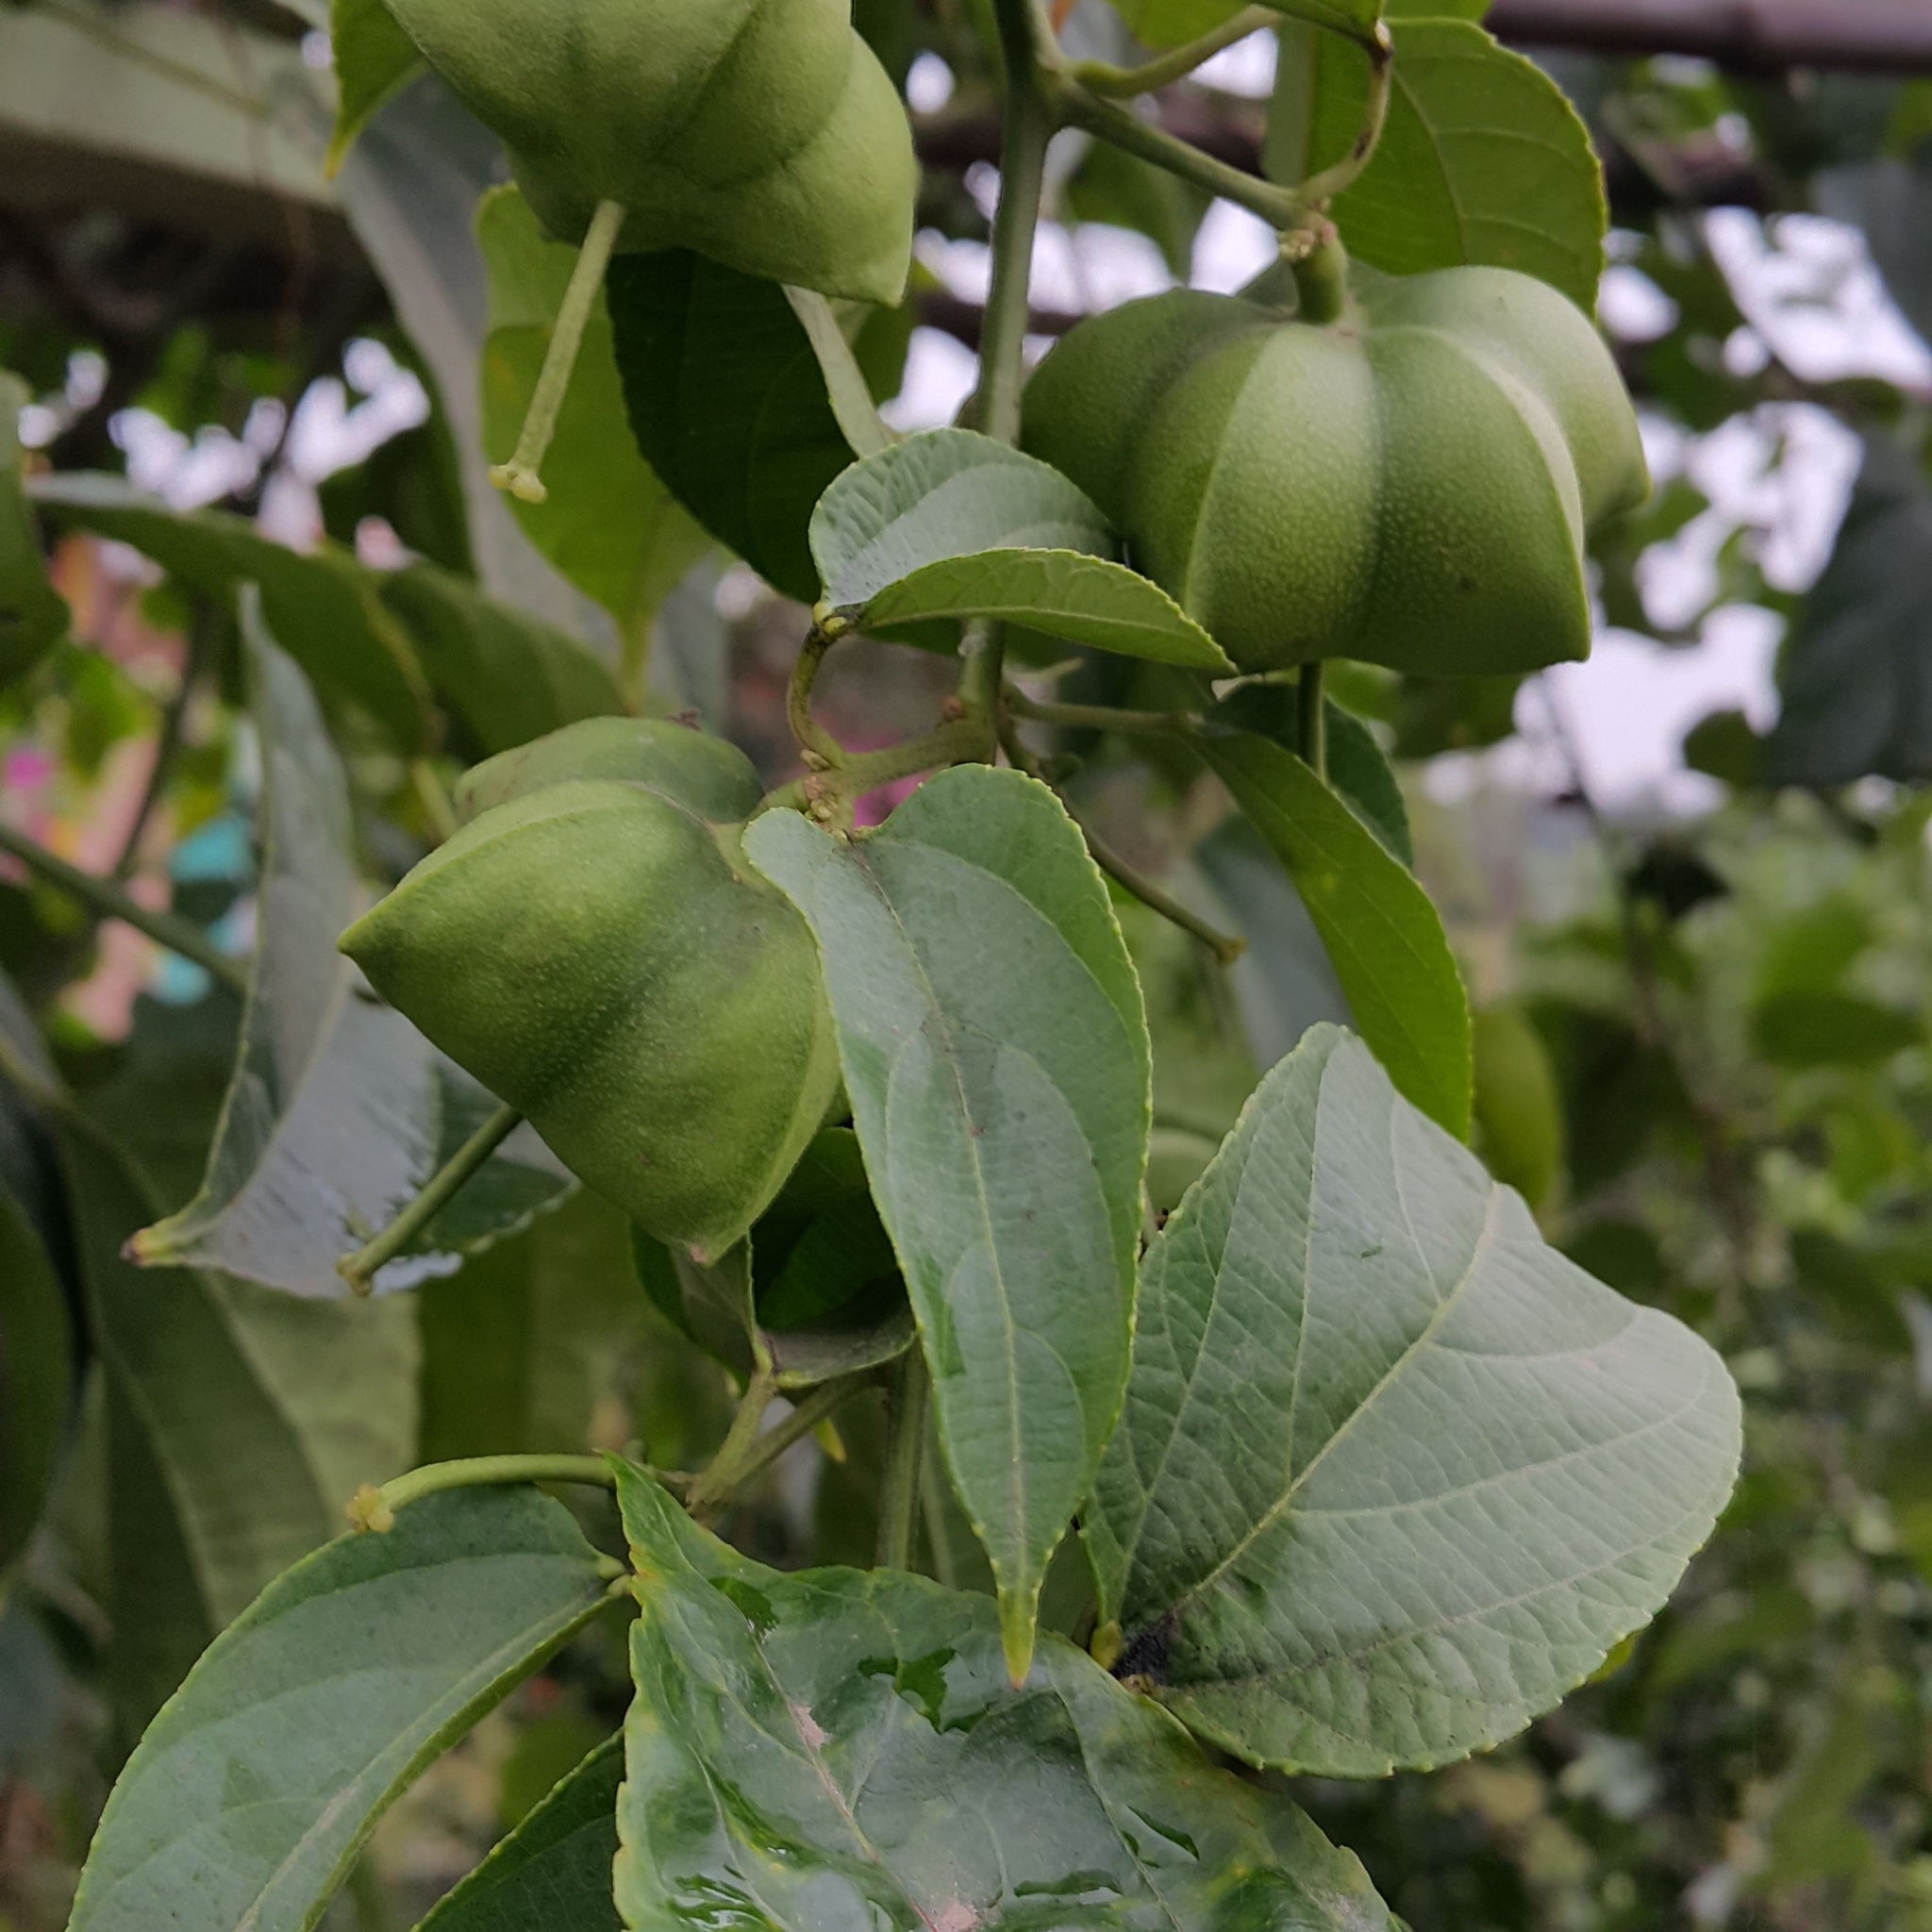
553	1873
33	615
727	403
253	1791
320	606
36	1362
339	1111
1858	700
995	1052
1383	935
843	1749
608	524
1394	1475
205	1379
1358	769
373	58
1482	159
951	524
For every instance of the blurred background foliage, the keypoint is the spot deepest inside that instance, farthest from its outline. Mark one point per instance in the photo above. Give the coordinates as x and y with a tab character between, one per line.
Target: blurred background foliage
1701	1037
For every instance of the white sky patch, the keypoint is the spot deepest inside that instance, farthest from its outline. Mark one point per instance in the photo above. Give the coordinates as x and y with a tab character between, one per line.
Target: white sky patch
1808	286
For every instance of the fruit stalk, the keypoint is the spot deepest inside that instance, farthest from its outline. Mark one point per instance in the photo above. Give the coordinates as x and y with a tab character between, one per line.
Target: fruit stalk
361	1269
521	475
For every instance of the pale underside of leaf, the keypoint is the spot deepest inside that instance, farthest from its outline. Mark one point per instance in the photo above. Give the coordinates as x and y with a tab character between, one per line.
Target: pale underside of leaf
1394	1475
995	1052
337	1110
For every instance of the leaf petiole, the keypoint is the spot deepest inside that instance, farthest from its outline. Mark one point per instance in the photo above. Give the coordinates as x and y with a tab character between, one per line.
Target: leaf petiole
1227	947
1119	83
361	1269
905	1457
374	1509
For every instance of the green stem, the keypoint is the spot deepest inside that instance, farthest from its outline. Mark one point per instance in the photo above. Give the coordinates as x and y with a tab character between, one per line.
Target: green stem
1227	947
1118	83
1027	127
827	796
1321	273
372	1508
905	1456
1280	207
846	388
1027	130
1313	718
107	899
360	1270
721	1477
1323	187
939	1536
1097	717
808	1413
811	734
520	475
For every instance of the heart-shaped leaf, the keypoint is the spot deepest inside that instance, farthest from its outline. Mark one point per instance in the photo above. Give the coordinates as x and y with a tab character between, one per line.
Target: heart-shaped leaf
1482	157
864	1723
553	1873
339	1111
951	524
995	1052
33	615
1384	936
253	1793
1393	1474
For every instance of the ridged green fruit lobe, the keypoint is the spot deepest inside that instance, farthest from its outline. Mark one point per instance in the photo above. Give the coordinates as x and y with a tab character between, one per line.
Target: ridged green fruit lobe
762	133
707	774
1411	486
598	955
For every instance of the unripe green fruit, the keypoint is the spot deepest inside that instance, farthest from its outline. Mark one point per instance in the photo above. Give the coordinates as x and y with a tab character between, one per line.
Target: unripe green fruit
602	958
1409	486
762	133
707	774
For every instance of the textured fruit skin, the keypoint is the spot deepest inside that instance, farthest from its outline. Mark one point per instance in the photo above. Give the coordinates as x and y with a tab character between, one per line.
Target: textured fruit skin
709	776
762	133
1409	486
601	956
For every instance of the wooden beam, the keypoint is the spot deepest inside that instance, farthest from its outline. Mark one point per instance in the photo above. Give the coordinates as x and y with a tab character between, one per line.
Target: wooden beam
1891	37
